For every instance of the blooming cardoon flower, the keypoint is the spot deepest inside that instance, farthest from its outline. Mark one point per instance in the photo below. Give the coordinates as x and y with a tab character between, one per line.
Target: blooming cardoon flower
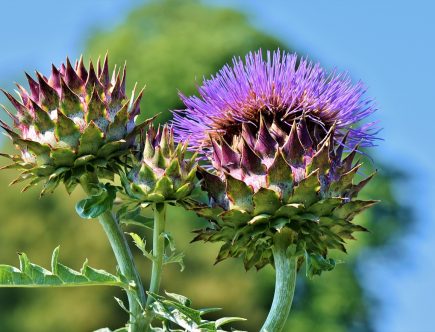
73	122
161	172
277	133
282	88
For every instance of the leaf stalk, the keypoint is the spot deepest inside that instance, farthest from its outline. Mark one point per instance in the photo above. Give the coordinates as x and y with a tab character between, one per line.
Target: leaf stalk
158	253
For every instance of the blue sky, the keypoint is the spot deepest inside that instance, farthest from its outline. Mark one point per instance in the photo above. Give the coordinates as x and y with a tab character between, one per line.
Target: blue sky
388	44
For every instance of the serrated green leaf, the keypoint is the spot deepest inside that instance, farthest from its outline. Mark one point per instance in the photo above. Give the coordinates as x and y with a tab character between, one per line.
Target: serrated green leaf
177	258
98	203
316	264
133	216
169	240
92	274
179	298
32	275
138	241
177	310
141	244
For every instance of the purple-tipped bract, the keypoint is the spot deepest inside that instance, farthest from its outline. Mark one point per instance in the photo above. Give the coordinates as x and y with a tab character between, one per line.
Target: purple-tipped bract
76	121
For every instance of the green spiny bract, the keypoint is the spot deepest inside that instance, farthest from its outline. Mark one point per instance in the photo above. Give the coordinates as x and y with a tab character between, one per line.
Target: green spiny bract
74	122
161	172
268	181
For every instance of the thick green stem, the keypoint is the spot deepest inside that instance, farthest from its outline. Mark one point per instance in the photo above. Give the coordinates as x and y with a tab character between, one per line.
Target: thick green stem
158	248
158	252
124	258
285	283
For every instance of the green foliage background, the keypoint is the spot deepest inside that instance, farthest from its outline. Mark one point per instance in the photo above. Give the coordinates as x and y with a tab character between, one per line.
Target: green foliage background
171	45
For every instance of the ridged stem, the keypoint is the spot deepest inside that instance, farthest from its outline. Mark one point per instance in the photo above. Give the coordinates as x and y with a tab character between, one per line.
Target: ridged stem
285	282
158	255
124	258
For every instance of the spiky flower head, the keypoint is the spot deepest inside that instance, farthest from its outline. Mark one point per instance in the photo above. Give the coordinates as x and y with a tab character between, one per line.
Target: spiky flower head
278	135
282	88
76	121
162	171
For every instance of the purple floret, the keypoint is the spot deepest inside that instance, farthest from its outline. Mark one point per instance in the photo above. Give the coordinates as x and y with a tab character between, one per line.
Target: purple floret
281	87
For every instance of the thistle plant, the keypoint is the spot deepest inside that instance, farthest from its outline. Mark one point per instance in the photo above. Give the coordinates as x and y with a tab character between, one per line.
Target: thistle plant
279	137
77	127
276	138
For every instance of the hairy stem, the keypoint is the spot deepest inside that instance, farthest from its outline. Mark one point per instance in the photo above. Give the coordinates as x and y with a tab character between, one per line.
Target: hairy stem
158	249
124	258
285	282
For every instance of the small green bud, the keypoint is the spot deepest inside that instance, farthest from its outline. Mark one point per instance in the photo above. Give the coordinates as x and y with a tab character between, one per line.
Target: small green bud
162	172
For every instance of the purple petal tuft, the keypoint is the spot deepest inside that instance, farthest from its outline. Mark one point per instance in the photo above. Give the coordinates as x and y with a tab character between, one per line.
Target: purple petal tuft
277	86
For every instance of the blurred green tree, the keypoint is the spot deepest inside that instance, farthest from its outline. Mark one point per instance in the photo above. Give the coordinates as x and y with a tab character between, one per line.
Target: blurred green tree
170	45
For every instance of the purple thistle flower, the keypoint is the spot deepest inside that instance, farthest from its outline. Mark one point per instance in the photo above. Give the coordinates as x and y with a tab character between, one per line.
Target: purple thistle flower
275	131
283	89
